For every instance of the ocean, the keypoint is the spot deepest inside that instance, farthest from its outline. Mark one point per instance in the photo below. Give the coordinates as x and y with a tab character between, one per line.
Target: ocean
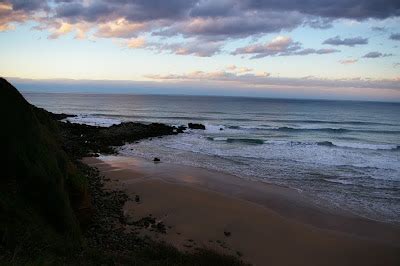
342	153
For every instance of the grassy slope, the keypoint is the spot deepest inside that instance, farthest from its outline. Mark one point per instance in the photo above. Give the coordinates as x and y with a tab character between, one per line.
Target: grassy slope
35	178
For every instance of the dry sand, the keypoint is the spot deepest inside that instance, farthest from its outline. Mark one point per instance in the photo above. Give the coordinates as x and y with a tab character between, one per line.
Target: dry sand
268	225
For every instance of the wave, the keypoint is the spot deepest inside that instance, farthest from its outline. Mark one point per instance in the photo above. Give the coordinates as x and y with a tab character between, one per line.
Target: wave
368	146
249	127
329	130
388	147
237	140
93	120
329	122
339	181
332	130
326	143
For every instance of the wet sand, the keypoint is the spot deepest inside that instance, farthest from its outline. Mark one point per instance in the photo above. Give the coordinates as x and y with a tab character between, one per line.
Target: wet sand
263	223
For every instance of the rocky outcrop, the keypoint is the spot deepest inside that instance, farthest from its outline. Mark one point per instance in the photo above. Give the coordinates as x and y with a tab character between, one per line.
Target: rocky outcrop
196	126
84	140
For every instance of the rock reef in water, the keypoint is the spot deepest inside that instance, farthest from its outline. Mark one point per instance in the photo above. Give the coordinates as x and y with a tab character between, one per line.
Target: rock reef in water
196	126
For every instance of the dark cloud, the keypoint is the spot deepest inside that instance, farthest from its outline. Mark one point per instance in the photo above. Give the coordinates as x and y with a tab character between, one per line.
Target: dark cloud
315	51
28	5
319	23
233	18
352	9
245	25
395	36
199	20
346	41
379	29
376	55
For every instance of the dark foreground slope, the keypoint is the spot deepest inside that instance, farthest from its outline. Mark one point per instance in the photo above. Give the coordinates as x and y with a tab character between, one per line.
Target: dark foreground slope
53	209
36	178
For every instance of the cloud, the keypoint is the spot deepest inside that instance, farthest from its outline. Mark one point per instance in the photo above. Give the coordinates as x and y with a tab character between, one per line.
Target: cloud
265	80
242	25
316	51
236	69
280	46
135	43
199	19
120	28
231	73
347	41
8	16
379	29
395	36
348	61
184	48
216	76
376	55
351	9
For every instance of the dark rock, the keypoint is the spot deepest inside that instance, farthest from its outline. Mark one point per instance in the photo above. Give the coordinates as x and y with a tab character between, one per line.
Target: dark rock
196	126
226	233
181	129
156	159
137	198
82	140
60	116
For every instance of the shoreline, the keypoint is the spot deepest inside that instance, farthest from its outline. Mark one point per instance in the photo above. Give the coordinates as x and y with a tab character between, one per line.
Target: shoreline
171	192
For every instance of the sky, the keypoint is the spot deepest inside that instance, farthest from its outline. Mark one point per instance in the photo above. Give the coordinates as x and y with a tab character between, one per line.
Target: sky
328	49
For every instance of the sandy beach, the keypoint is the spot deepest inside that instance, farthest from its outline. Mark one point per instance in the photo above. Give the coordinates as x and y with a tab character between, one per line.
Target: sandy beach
263	224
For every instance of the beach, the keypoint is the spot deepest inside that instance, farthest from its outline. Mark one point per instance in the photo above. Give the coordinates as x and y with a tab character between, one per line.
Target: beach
261	223
343	153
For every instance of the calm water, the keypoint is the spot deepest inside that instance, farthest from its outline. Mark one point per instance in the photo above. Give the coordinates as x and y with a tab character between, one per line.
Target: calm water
347	153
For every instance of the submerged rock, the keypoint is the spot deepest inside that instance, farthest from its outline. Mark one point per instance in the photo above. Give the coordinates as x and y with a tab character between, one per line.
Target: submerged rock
196	126
181	129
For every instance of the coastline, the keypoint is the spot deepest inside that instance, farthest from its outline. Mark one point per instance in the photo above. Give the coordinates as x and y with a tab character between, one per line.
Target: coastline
258	221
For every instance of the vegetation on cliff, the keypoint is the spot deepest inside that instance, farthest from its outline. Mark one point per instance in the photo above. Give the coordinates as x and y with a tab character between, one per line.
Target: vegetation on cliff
52	207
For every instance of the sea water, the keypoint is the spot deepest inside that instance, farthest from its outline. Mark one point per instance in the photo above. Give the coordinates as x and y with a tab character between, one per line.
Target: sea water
346	153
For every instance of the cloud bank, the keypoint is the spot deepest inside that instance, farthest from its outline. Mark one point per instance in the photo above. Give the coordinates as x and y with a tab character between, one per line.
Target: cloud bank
207	21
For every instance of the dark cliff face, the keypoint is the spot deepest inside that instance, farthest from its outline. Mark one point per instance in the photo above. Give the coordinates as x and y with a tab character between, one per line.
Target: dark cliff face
36	176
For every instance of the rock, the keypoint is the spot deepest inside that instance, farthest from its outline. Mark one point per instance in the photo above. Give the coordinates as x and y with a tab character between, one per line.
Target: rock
156	159
196	126
181	129
60	116
137	198
227	234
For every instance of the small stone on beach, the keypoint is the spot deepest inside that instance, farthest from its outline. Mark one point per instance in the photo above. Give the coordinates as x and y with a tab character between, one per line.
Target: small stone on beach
137	198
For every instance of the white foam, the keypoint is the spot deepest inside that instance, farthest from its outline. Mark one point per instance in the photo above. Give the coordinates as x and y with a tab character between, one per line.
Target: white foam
340	181
365	146
93	120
